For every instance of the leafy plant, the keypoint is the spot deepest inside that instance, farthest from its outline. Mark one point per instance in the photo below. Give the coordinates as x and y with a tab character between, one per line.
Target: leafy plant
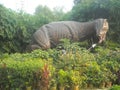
62	77
45	77
23	67
115	87
75	78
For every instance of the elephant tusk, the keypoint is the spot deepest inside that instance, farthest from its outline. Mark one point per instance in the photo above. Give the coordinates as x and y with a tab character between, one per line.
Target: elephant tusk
93	46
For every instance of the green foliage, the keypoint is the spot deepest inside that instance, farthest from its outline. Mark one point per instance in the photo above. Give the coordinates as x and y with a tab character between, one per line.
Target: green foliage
115	87
20	70
58	13
7	23
62	77
15	30
7	29
24	30
73	57
75	78
75	67
44	15
18	73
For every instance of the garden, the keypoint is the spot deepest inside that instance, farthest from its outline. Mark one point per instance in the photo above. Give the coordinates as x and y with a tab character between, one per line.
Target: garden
76	69
69	66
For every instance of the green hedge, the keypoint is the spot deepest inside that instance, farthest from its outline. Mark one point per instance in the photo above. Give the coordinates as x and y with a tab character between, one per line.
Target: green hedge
116	87
52	67
19	70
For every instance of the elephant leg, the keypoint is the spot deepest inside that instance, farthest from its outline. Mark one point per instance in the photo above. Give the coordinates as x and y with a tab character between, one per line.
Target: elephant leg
35	46
90	42
45	45
32	47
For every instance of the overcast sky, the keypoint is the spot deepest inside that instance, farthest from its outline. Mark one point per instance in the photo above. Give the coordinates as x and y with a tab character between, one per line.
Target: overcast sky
30	5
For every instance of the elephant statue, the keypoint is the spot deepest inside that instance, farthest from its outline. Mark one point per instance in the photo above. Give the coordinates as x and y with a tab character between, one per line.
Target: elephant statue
49	35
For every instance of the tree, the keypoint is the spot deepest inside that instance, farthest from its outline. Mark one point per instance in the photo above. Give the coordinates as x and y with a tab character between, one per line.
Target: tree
43	15
89	9
7	29
15	30
58	13
24	30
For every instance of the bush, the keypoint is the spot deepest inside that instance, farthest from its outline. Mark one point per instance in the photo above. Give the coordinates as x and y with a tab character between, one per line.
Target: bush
21	70
53	67
116	87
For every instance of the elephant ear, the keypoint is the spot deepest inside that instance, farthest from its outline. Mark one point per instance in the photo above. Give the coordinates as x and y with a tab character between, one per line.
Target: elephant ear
101	29
105	26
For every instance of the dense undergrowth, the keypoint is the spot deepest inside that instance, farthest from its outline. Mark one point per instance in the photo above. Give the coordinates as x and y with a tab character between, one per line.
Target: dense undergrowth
71	66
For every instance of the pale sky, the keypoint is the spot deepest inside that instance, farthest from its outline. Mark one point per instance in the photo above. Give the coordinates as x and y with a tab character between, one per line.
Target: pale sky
30	5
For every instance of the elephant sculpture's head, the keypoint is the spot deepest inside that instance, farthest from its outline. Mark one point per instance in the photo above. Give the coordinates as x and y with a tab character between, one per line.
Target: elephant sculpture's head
101	29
